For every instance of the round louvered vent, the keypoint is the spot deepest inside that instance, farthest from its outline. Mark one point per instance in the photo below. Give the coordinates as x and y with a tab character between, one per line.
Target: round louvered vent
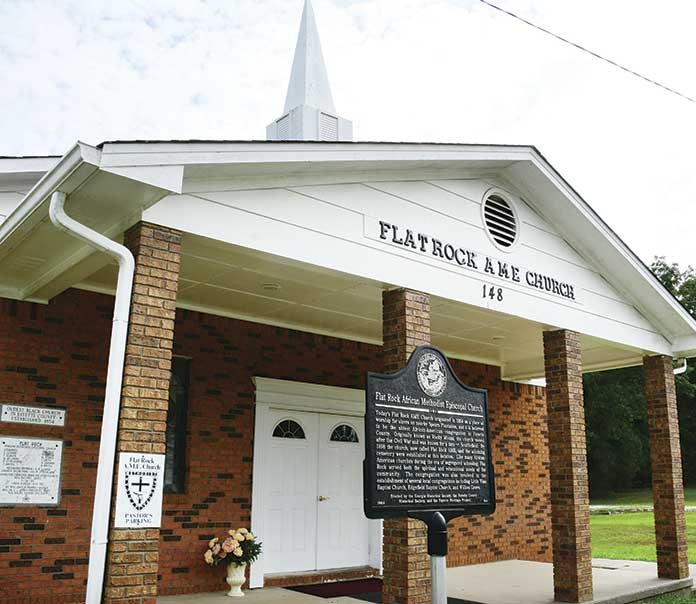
500	220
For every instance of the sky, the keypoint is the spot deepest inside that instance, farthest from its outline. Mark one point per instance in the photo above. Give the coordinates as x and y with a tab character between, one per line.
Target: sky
402	70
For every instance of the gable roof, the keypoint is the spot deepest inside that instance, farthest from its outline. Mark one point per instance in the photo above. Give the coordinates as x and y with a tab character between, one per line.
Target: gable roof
159	167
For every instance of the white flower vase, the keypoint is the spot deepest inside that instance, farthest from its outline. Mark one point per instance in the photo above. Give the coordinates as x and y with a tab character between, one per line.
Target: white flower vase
235	579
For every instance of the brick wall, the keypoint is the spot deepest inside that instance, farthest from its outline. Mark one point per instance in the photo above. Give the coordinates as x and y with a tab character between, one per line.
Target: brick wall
521	525
54	356
57	354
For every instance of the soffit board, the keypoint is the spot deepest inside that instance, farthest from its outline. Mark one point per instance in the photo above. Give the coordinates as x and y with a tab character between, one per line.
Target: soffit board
227	280
37	259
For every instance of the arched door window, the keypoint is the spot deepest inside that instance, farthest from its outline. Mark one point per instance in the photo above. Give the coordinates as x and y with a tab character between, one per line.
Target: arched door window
288	429
343	433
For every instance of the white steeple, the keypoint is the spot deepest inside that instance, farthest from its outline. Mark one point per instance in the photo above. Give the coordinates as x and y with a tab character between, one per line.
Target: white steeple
309	108
309	83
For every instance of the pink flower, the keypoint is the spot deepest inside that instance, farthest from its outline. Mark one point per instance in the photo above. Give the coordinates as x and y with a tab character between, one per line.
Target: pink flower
222	555
216	549
228	545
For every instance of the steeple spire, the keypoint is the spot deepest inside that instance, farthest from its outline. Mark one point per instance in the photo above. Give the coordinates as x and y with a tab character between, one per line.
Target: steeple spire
309	82
310	114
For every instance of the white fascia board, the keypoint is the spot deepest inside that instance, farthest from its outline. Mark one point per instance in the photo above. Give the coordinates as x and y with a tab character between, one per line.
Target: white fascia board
23	166
641	274
169	178
10	293
54	180
521	372
684	347
148	154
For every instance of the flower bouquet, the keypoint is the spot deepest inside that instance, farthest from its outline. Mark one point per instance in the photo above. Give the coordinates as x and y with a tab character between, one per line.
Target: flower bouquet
237	550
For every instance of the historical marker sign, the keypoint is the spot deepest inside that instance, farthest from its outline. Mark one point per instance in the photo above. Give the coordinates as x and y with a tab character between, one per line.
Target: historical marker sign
21	414
139	491
30	471
427	446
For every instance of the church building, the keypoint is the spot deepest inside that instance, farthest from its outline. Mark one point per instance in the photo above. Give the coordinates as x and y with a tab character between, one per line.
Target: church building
219	303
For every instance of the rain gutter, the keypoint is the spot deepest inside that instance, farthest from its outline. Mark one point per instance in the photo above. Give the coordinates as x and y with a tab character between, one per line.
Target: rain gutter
114	380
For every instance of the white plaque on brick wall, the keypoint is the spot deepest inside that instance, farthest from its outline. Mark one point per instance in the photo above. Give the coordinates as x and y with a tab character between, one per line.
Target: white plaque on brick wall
43	416
30	471
139	491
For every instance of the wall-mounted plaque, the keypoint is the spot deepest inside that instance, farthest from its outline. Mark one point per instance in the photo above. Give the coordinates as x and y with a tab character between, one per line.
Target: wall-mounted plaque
30	471
427	444
43	416
139	494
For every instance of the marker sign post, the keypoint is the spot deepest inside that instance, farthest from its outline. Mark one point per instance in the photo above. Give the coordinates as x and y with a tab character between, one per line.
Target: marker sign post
427	451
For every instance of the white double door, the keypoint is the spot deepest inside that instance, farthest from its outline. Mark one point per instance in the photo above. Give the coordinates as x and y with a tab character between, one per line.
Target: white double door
313	493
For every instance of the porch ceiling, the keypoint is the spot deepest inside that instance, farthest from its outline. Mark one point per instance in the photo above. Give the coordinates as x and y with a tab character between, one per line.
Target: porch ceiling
227	280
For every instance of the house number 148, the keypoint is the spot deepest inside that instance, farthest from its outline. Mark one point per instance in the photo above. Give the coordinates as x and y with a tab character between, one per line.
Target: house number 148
494	293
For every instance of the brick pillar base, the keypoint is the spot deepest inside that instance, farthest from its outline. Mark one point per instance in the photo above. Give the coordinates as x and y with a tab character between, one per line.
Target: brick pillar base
133	558
570	510
665	460
406	325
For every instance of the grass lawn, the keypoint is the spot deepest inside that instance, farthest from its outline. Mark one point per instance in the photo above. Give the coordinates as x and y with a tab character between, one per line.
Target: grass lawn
671	599
640	497
632	536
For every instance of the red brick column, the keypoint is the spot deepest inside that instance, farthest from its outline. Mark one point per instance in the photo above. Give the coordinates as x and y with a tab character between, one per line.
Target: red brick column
665	460
132	559
570	510
406	325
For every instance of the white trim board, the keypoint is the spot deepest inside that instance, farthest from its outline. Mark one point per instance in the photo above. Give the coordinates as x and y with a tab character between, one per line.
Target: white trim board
303	396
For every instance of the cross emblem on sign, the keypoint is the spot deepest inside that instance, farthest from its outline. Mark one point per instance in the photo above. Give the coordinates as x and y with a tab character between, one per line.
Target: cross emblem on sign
140	484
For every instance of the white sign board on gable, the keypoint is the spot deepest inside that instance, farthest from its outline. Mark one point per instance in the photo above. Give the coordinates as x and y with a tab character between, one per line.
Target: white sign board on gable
506	271
30	471
139	491
43	416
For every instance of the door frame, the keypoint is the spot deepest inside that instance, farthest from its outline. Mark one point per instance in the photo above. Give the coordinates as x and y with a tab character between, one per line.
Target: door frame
272	394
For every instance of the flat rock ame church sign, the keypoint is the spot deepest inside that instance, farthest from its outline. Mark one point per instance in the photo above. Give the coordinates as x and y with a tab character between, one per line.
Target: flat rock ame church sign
468	259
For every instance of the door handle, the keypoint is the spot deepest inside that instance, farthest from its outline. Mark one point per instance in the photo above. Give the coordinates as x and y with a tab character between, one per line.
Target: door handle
323	498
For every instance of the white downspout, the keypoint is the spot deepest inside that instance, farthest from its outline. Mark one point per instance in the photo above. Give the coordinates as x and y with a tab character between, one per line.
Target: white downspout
681	368
112	401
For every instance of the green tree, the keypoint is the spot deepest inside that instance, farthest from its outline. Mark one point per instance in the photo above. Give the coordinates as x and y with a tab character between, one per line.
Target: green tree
618	455
682	285
617	444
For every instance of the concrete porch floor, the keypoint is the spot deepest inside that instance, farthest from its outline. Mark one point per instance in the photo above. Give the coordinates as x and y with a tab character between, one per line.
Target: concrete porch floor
518	581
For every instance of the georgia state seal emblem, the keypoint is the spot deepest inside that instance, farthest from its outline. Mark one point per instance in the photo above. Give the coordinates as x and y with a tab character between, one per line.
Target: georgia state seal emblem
431	374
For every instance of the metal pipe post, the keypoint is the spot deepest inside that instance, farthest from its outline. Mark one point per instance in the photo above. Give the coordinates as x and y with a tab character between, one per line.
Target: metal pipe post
438	570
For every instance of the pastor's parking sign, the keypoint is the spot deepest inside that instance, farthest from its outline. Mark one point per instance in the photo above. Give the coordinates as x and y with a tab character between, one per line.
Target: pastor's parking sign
139	494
